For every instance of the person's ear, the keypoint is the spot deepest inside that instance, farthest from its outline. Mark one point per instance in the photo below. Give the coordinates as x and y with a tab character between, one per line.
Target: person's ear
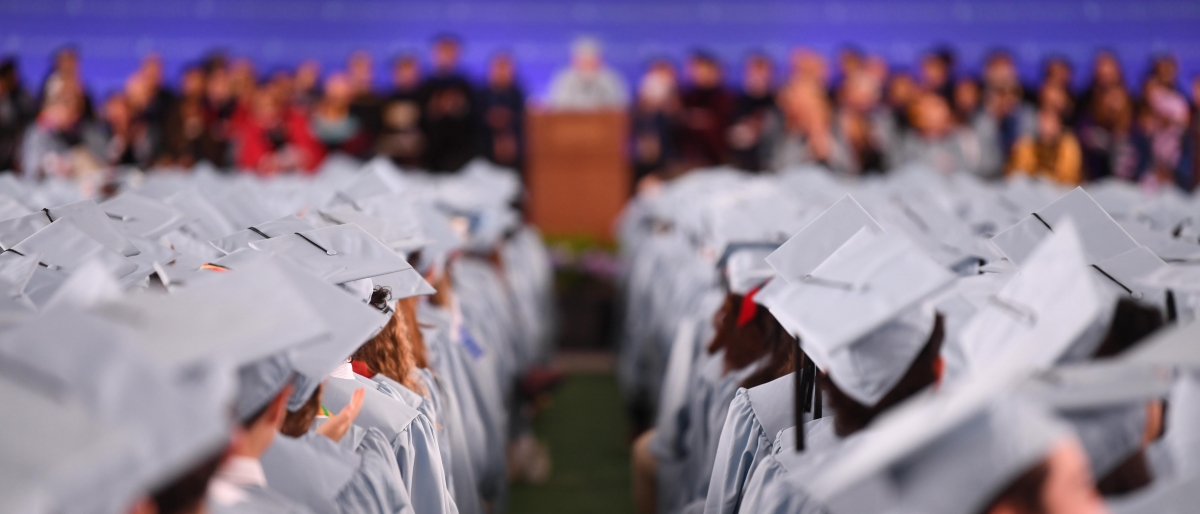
277	410
939	369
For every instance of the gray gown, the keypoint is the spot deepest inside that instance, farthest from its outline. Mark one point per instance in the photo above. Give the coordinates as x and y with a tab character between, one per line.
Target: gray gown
777	484
329	478
411	437
756	417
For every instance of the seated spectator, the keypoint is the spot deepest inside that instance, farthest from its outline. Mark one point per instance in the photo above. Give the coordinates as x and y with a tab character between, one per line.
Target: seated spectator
754	104
220	106
57	143
937	72
334	125
449	115
1106	73
655	123
65	66
1052	152
587	84
269	137
401	138
306	84
1005	116
366	105
189	135
17	110
1164	119
125	138
707	109
966	100
936	141
801	135
857	122
502	104
1108	137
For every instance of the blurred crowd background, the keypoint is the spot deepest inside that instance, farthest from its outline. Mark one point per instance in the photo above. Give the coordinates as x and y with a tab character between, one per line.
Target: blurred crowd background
1016	104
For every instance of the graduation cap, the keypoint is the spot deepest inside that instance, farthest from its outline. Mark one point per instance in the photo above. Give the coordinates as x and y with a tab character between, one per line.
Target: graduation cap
858	313
337	254
1104	401
803	252
286	225
398	237
206	220
85	215
235	317
745	266
945	452
351	323
64	245
1176	346
178	417
141	216
55	457
1052	308
1102	238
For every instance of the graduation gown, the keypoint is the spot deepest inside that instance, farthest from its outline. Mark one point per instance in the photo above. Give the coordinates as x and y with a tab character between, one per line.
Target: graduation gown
777	484
410	435
463	361
240	487
756	417
469	437
329	478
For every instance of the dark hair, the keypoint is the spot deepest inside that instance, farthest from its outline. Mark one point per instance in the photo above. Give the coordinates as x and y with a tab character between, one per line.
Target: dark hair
1132	321
705	57
187	492
849	416
1132	474
297	423
778	346
1024	494
742	344
380	298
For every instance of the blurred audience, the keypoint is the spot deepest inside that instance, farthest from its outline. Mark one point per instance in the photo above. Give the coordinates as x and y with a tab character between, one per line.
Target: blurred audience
857	117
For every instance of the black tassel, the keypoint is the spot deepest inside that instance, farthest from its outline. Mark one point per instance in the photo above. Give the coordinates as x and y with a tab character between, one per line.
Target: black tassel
1172	313
817	402
798	400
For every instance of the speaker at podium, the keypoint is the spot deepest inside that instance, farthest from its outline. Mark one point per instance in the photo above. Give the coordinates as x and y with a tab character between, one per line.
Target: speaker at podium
577	171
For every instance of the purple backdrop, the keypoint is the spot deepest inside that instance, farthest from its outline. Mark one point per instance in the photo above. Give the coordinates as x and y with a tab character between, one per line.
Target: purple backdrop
113	34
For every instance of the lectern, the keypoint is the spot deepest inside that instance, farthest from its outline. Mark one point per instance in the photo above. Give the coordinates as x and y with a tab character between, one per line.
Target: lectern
577	171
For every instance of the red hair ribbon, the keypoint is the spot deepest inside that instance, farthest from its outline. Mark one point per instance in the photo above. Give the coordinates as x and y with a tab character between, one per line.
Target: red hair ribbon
748	309
361	368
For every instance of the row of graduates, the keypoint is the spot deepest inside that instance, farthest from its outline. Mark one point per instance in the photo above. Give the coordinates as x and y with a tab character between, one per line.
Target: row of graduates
196	342
910	343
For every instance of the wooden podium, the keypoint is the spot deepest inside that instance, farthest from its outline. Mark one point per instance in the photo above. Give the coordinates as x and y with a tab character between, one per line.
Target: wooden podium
577	171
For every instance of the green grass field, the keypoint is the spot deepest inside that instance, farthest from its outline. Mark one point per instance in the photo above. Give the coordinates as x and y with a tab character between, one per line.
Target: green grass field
586	429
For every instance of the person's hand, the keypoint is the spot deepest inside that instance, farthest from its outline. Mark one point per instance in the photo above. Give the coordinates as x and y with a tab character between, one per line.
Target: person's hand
337	426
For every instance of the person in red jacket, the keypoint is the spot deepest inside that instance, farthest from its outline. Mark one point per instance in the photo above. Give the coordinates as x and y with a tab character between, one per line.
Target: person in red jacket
272	137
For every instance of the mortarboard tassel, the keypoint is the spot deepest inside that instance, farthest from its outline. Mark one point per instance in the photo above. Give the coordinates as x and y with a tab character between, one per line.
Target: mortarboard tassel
798	400
1172	313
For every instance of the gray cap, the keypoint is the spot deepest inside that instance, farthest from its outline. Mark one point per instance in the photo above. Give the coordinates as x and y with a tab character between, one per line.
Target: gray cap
286	225
141	216
807	249
1101	236
1051	309
337	254
859	316
351	323
55	457
942	453
64	245
85	215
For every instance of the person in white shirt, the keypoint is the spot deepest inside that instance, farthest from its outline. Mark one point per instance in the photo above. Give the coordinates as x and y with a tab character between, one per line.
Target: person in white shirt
588	84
